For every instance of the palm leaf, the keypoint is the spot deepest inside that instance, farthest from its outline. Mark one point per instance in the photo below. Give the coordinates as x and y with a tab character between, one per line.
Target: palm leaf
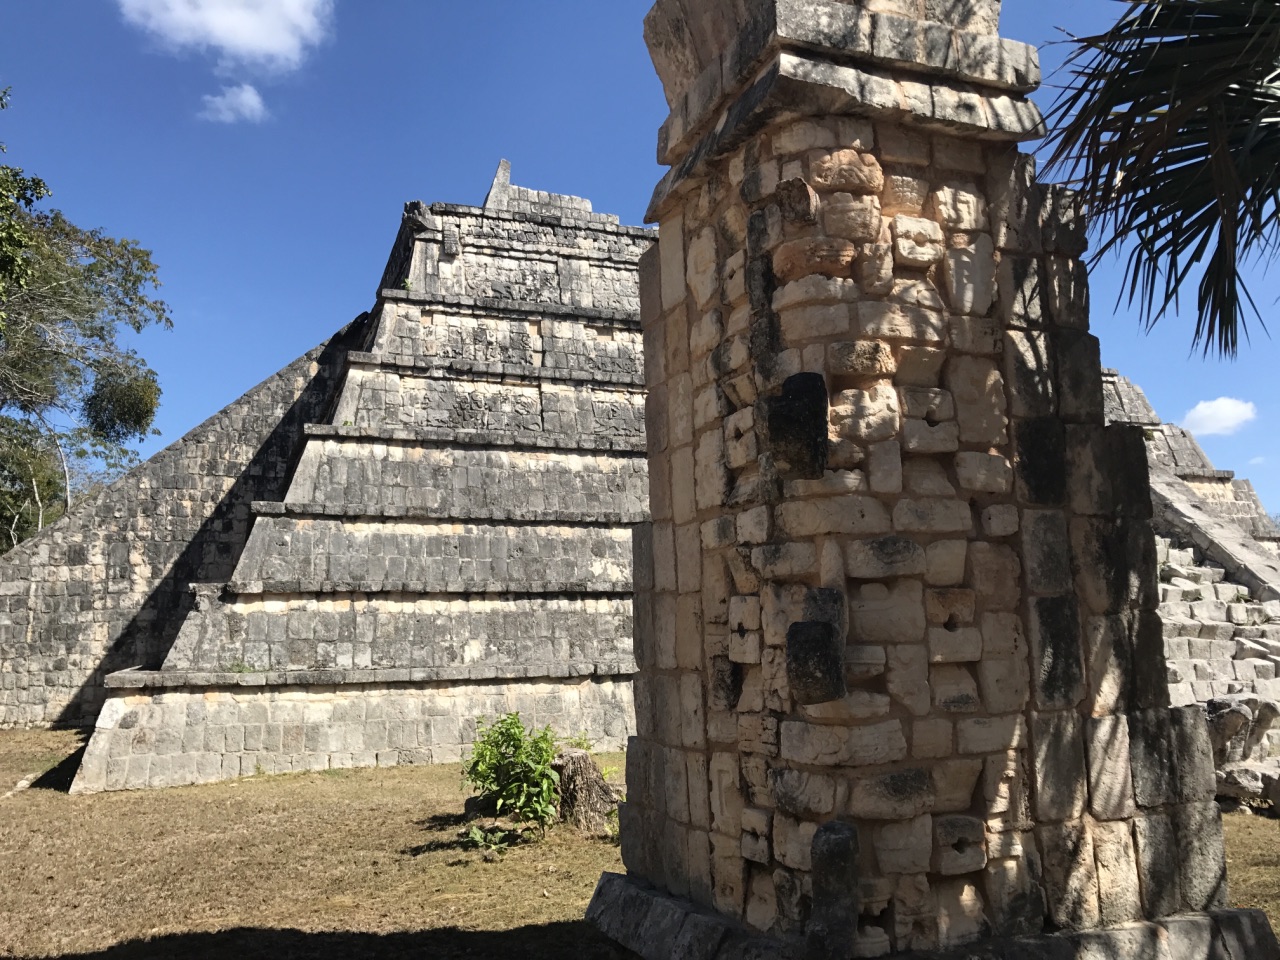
1169	127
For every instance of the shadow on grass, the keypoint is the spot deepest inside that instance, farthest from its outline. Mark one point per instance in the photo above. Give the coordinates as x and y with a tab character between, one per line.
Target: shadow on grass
553	940
59	777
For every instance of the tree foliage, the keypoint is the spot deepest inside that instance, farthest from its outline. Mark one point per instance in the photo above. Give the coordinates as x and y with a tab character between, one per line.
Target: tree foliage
73	395
1170	128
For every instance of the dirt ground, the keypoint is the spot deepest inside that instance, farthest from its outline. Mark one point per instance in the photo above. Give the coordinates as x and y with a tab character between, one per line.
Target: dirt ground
343	864
332	865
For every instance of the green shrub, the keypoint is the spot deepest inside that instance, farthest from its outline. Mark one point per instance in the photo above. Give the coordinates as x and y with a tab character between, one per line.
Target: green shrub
510	767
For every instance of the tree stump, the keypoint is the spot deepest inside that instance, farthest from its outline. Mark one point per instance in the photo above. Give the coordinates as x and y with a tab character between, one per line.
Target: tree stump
586	800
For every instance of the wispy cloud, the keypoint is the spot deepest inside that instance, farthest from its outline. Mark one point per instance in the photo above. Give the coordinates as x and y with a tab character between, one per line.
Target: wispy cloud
234	104
1257	461
1219	418
261	37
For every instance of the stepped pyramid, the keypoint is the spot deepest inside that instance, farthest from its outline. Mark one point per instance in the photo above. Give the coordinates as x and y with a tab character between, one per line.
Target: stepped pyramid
455	538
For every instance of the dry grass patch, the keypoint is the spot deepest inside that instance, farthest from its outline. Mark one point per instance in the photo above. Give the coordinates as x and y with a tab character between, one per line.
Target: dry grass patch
1253	863
336	864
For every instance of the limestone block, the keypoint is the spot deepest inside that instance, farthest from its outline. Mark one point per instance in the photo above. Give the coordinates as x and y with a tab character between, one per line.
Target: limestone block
978	335
762	901
1015	900
793	841
1029	370
1058	762
932	516
920	366
884	467
815	290
867	416
900	795
906	847
1040	460
955	644
802	794
991	734
1007	792
1046	552
861	358
854	707
874	268
983	472
1202	870
847	171
959	206
828	257
979	393
945	562
1005	684
851	515
833	746
917	242
1022	291
888	613
961	913
1110	774
950	607
907	677
879	320
833	922
926	478
703	267
1002	636
994	572
932	739
1119	897
785	561
921	437
1158	865
1070	875
1057	671
959	845
798	201
903	194
850	217
1067	292
1000	520
969	276
883	558
671	254
954	689
1079	387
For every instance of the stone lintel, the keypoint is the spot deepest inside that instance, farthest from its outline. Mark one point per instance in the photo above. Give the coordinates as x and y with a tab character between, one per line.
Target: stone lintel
658	926
705	65
796	85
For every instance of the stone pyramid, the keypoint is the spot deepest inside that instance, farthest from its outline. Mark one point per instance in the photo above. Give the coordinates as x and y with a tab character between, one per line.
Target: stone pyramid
455	538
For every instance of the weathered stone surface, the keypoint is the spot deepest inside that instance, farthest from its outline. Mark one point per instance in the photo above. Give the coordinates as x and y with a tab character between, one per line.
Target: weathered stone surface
815	663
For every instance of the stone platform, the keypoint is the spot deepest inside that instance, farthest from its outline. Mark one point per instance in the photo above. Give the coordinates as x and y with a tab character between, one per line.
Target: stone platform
661	927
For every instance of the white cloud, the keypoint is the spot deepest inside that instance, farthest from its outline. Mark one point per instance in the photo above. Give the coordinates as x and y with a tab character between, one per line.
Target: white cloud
274	35
235	104
1219	418
1257	461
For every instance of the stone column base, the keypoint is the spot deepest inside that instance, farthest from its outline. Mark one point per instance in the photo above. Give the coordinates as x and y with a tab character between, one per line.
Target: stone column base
660	927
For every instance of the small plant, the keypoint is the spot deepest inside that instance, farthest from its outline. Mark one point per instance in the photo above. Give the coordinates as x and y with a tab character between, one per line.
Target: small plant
240	667
510	768
492	839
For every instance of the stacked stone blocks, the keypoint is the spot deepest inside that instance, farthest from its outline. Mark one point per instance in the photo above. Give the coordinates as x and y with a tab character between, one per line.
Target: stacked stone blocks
897	609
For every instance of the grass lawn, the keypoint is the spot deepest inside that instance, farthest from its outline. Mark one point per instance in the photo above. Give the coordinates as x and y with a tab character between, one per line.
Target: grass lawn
331	865
342	864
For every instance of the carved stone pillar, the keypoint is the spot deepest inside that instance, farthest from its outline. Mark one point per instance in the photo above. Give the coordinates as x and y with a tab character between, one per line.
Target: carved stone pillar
902	680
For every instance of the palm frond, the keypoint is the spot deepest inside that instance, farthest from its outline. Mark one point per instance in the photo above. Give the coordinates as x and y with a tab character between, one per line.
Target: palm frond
1169	127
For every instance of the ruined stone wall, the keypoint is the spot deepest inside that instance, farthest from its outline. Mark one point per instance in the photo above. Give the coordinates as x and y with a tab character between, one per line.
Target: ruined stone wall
107	587
902	673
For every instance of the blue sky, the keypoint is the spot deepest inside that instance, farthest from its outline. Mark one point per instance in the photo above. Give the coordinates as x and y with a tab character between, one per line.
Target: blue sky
265	160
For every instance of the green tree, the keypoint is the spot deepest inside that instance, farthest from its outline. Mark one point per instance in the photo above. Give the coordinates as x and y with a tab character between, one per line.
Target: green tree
1169	126
73	396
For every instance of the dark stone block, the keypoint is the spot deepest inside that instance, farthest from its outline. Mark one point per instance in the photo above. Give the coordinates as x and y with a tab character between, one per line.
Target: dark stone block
833	923
726	684
1128	469
1149	688
1202	867
798	427
1079	376
1040	461
798	201
815	662
1247	933
1053	627
1151	757
827	605
1192	755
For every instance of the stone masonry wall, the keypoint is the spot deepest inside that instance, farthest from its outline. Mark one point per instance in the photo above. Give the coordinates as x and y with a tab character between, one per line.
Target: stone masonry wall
107	587
902	679
202	734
